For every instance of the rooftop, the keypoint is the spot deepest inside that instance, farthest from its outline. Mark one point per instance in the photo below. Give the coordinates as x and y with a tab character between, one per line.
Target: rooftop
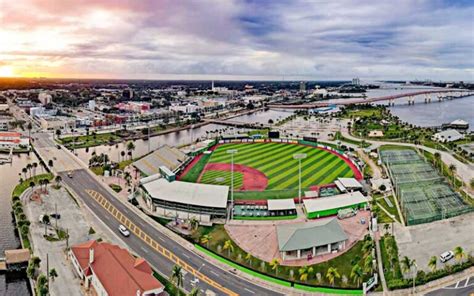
281	204
299	236
204	195
118	271
332	202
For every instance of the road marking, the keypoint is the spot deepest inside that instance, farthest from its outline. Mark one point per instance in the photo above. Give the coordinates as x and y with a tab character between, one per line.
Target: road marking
467	281
248	290
457	284
214	273
161	239
186	256
144	250
114	212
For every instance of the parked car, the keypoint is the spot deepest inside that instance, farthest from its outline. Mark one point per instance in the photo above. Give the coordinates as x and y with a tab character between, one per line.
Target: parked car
446	256
124	231
69	174
55	216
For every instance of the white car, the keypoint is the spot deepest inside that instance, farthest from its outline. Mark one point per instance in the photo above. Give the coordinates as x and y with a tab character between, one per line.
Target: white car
446	256
123	230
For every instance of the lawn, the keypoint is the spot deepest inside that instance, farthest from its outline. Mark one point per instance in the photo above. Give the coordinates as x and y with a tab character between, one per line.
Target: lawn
342	263
276	161
222	178
25	184
392	210
193	174
90	140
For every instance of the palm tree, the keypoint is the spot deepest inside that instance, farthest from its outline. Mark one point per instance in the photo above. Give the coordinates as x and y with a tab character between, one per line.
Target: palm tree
248	257
437	158
368	264
206	239
29	127
24	171
305	272
35	165
452	170
274	264
122	153
332	275
177	276
53	274
194	222
367	247
130	148
432	263
28	167
228	246
407	264
194	292
357	274
459	253
58	180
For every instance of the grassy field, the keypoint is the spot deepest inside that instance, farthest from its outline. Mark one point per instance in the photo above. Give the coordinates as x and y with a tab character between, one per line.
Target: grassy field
222	178
276	161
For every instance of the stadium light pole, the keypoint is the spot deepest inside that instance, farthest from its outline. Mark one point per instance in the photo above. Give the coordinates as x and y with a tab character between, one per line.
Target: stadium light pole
299	157
232	152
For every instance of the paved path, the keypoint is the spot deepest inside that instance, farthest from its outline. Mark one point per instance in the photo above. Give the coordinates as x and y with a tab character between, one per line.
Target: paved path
380	265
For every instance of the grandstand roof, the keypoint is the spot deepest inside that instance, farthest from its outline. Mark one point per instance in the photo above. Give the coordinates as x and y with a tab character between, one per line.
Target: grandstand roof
167	156
334	202
299	236
281	204
204	195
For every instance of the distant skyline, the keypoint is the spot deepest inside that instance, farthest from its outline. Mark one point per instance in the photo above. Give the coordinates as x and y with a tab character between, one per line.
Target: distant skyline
238	40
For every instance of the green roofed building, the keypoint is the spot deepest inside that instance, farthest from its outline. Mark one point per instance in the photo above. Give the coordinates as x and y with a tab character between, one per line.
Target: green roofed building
327	206
314	238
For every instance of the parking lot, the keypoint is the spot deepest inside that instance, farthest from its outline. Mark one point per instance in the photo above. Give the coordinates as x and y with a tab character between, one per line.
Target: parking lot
420	242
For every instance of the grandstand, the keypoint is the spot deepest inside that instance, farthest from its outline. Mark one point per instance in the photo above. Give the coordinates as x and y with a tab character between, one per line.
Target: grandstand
169	157
423	194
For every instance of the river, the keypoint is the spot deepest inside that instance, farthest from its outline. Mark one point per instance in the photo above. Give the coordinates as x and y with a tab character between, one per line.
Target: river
11	284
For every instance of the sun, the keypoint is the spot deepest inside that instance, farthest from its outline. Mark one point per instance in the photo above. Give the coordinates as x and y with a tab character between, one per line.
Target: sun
6	71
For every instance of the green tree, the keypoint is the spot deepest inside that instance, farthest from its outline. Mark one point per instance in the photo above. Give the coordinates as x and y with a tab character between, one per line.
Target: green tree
206	239
305	272
194	292
459	253
275	263
432	263
332	274
229	246
407	264
53	274
58	180
357	274
177	276
452	170
368	264
130	148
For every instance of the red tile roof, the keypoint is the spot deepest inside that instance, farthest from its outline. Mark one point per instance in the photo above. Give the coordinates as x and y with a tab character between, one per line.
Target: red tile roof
118	271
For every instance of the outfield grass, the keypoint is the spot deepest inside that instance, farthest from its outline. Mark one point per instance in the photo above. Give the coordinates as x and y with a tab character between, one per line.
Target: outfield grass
276	161
195	171
222	178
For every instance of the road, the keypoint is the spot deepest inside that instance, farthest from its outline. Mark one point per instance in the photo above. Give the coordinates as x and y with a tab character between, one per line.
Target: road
461	288
82	183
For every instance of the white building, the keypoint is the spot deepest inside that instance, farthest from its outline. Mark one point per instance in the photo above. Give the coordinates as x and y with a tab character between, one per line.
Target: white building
91	105
450	135
186	109
45	98
355	81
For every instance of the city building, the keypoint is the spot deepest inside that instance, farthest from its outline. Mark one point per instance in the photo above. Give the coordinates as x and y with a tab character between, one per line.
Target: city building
327	206
4	123
348	184
302	86
458	124
107	269
12	140
56	122
91	105
42	111
300	240
136	107
184	200
449	135
356	81
167	156
186	109
4	107
45	98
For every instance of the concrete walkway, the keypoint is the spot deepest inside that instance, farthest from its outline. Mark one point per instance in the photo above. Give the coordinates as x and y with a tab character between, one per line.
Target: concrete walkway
380	264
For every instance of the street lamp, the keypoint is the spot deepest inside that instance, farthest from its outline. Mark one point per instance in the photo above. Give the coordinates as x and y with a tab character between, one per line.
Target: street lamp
415	268
299	157
232	152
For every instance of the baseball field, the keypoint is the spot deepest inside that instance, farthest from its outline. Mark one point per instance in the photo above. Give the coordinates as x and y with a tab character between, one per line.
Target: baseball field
270	166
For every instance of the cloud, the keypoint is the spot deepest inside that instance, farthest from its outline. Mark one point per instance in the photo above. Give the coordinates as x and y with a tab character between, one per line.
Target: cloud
315	40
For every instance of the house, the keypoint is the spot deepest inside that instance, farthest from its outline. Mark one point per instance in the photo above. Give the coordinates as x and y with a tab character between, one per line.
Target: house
298	240
449	135
107	269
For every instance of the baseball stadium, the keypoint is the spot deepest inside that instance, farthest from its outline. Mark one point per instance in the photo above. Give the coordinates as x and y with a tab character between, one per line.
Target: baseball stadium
268	169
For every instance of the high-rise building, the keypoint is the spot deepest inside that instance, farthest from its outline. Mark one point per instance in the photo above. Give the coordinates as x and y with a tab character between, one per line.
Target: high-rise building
302	86
45	98
355	81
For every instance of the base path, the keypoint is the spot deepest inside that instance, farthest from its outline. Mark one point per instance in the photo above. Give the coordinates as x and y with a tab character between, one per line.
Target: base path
253	180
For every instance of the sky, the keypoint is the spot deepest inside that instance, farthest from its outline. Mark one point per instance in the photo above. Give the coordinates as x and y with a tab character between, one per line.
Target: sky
227	39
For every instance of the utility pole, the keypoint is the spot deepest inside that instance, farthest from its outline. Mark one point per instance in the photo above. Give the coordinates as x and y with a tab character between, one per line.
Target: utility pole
232	152
56	212
299	157
47	268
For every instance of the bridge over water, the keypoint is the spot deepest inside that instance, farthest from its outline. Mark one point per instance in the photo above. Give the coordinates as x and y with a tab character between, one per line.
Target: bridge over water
426	95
